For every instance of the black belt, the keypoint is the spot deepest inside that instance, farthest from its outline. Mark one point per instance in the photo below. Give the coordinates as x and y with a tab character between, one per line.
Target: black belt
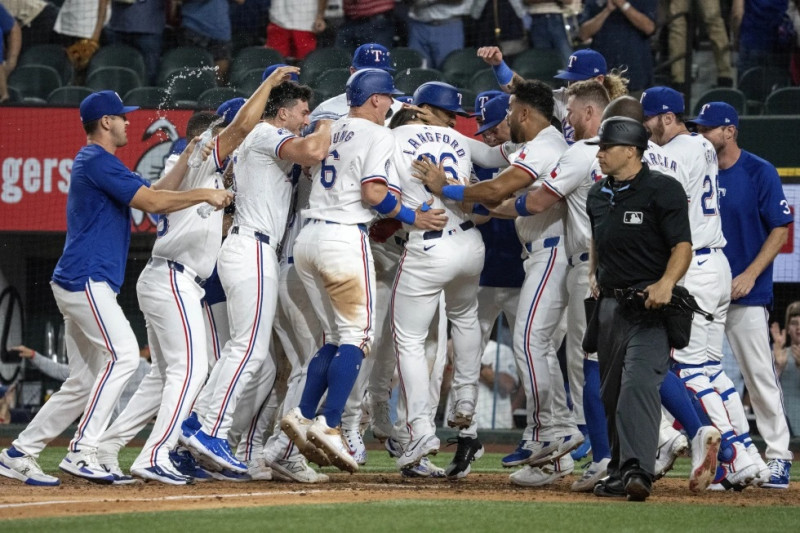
177	267
617	293
436	234
257	234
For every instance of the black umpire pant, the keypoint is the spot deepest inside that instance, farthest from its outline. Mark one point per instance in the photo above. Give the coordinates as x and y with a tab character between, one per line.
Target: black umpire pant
633	352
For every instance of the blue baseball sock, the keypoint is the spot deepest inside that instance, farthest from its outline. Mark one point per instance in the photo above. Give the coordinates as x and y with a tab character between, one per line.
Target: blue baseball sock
342	375
594	411
677	401
13	452
316	380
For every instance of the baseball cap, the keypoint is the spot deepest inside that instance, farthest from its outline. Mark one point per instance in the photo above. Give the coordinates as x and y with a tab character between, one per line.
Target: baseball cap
270	69
582	65
494	112
715	114
482	99
372	55
625	131
660	100
99	104
228	109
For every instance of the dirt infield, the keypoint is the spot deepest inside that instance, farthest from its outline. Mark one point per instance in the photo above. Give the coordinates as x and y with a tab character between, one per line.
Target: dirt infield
77	497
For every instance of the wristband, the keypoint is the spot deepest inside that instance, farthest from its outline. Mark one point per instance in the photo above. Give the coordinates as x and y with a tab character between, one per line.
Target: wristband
479	209
386	205
424	207
454	192
503	74
519	204
406	216
626	6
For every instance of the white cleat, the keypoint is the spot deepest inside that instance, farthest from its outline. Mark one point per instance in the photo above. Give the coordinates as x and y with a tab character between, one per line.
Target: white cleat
84	464
25	469
355	444
763	468
461	415
534	476
258	470
296	426
591	475
295	469
668	452
705	447
330	441
380	420
417	449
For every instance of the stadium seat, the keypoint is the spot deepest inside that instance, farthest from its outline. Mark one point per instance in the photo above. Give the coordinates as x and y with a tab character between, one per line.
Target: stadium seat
212	98
149	98
71	96
186	85
181	58
13	97
320	60
483	80
460	65
403	58
758	82
541	64
34	82
332	82
50	55
784	101
468	99
249	81
734	97
119	55
409	79
251	58
119	79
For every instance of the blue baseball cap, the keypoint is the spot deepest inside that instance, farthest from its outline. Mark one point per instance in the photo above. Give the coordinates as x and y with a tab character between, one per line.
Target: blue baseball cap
270	69
482	99
582	65
494	112
660	100
715	114
99	104
372	55
228	109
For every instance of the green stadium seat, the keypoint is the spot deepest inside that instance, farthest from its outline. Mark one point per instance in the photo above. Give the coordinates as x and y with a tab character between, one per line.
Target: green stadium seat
784	101
403	58
251	58
758	82
409	79
71	96
186	85
119	79
333	81
468	99
321	60
483	80
460	65
541	64
734	97
181	58
34	82
119	55
249	81
212	98
149	98
50	55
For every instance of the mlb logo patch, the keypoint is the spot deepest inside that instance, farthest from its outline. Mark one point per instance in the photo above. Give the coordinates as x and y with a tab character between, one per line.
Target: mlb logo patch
633	217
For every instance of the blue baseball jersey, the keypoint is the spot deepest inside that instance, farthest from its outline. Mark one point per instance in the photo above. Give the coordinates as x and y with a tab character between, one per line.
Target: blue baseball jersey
502	264
752	204
98	220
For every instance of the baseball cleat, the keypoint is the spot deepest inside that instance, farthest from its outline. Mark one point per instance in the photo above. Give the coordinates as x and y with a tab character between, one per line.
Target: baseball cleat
668	453
461	415
425	468
583	450
705	446
721	483
163	474
593	472
394	447
25	469
227	474
205	447
417	449
120	478
380	420
780	470
355	444
295	469
330	441
741	470
185	463
763	469
295	425
258	470
532	452
84	464
568	443
469	449
534	476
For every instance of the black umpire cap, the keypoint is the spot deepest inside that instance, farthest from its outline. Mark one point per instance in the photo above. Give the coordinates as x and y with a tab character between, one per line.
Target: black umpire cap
621	130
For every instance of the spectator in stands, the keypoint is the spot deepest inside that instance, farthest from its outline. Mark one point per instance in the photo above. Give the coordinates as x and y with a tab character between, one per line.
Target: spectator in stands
248	21
139	24
717	34
81	19
435	28
621	30
207	24
786	350
293	26
757	24
10	45
35	17
497	383
547	30
486	18
366	21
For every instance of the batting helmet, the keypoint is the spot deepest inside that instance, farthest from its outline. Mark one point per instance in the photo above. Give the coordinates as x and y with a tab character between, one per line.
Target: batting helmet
439	94
272	68
621	130
366	82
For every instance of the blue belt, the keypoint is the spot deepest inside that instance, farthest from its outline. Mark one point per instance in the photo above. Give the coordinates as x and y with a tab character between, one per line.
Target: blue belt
583	257
177	267
290	260
436	234
548	243
706	251
257	234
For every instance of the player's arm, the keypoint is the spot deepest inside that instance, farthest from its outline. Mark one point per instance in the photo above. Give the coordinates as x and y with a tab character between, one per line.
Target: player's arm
174	176
744	282
250	113
310	150
506	78
528	203
377	194
156	201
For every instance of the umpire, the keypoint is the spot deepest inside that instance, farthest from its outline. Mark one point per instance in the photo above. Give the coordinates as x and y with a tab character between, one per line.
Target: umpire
641	246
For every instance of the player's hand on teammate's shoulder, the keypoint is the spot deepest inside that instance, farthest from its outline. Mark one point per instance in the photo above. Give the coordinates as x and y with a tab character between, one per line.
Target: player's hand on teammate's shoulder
491	55
431	175
429	219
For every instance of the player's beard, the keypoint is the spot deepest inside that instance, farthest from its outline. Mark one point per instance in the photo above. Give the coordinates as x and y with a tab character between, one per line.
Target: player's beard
517	135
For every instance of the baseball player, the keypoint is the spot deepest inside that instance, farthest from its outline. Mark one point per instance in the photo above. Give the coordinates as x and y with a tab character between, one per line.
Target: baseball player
334	260
434	263
102	349
551	432
755	219
247	263
708	276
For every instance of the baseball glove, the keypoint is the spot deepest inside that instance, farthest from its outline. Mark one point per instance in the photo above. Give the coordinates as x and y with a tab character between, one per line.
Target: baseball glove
81	52
382	229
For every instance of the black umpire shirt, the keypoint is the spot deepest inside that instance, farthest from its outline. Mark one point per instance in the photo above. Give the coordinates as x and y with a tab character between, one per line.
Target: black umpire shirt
635	225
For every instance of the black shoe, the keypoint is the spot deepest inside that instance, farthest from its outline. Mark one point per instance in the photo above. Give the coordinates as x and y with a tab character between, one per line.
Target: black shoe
468	450
609	487
637	486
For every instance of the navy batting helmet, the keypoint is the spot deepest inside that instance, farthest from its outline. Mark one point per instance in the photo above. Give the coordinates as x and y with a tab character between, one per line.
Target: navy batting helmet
366	82
439	94
621	131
